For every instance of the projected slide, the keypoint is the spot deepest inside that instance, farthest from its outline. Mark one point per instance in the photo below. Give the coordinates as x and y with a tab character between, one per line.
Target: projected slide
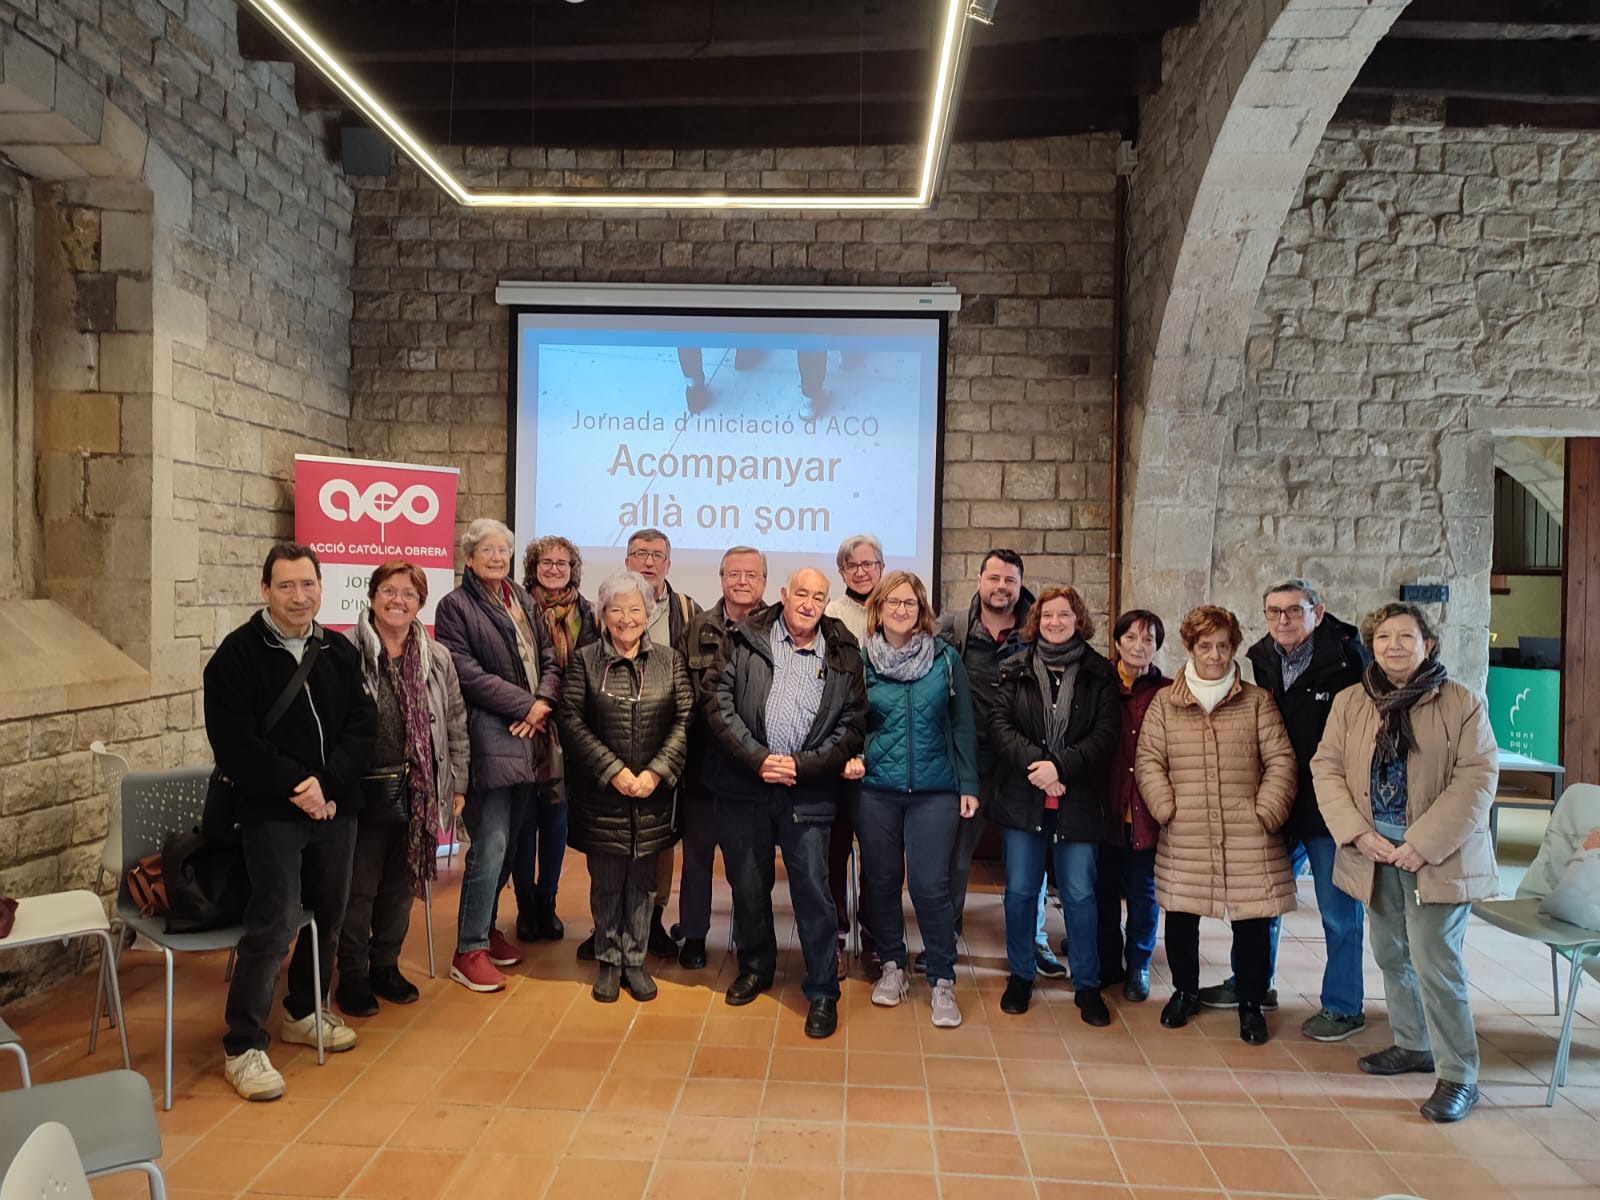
782	432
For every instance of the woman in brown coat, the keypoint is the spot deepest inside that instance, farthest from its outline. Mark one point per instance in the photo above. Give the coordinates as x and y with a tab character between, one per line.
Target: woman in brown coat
1405	778
1217	773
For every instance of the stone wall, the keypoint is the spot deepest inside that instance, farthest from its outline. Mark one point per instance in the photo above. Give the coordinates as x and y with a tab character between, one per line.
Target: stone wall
1433	289
194	255
1023	230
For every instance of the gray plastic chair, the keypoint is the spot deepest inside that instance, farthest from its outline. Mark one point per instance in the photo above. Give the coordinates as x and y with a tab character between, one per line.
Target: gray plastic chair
11	1043
111	1117
154	804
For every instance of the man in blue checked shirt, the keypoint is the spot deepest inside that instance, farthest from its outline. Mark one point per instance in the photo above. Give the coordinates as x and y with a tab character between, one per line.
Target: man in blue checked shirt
785	707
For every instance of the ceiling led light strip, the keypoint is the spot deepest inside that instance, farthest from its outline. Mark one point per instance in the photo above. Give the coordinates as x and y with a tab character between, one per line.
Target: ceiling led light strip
952	45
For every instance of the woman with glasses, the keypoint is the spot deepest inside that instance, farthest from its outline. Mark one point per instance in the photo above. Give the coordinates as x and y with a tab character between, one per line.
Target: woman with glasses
1054	726
509	677
625	708
919	780
422	742
860	560
552	569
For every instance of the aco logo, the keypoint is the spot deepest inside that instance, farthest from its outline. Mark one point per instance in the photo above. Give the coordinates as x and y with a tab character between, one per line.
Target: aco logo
382	502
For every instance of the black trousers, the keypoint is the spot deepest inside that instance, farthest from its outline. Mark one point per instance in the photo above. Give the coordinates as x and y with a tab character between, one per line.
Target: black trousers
292	864
622	891
1252	954
379	912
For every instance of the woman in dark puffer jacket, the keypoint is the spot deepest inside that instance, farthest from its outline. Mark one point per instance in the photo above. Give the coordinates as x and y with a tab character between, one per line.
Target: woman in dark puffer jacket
624	721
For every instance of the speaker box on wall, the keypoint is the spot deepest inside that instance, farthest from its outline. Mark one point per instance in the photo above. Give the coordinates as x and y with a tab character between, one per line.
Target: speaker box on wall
365	151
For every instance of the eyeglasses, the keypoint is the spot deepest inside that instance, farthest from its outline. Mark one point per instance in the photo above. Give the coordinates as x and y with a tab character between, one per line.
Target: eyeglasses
493	551
393	593
901	606
545	564
738	575
1291	613
655	556
855	568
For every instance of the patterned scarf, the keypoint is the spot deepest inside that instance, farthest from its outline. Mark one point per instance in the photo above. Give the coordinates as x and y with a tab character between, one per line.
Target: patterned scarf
562	617
1396	740
408	675
905	665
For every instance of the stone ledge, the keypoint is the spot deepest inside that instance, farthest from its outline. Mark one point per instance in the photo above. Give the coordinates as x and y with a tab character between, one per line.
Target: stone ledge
52	662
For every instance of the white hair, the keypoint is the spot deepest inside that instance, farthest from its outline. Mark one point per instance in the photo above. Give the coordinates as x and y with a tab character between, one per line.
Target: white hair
620	583
482	528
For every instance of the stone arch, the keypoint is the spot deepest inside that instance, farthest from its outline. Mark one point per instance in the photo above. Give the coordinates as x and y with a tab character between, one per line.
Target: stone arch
1248	91
96	433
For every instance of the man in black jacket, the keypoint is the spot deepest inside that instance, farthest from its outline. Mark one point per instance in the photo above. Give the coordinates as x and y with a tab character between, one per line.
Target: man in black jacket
785	707
297	788
1306	659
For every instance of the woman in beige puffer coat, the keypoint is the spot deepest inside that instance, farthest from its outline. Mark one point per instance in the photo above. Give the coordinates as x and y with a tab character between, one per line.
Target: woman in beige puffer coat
1216	771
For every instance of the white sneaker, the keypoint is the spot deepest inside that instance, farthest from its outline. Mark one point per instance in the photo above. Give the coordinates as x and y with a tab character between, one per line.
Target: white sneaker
253	1075
336	1035
946	1013
891	987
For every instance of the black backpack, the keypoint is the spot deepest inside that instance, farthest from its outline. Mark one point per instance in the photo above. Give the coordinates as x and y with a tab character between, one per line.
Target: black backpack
206	881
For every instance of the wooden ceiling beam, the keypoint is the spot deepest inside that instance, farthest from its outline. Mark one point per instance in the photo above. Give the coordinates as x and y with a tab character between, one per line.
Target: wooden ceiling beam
1538	72
1501	20
1469	113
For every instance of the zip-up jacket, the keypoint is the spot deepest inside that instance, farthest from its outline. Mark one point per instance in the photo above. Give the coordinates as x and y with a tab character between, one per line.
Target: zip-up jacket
920	734
1017	728
620	713
983	657
735	708
1128	820
702	638
327	731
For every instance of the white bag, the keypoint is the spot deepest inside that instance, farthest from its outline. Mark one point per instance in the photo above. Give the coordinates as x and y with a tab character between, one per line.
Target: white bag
1576	898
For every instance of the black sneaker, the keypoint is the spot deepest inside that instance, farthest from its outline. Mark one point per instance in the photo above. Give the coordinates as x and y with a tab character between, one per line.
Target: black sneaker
354	997
1018	993
692	957
1047	964
388	984
1092	1007
1226	995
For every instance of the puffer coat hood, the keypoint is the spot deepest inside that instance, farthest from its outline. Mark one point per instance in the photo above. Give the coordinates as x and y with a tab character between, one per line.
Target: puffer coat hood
1220	784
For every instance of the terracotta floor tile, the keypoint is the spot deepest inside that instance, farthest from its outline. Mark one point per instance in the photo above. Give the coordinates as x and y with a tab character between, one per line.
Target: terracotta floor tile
1050	1078
1163	1164
889	1070
1039	1113
883	1147
499	1052
641	1094
722	1097
1069	1156
444	1127
474	1085
674	1028
886	1105
729	1062
1123	1082
383	1081
556	1089
709	1139
1151	1120
281	1121
1255	1168
1450	1176
303	1170
219	1162
1349	1174
407	1175
963	1074
798	1144
963	1153
541	1131
494	1175
981	1187
618	1135
803	1101
1202	1085
585	1178
807	1066
1316	1128
560	1055
1050	1189
874	1185
695	1181
653	1058
764	1180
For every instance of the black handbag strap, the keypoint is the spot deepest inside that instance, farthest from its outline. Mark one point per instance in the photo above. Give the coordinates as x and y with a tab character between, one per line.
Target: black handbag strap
296	682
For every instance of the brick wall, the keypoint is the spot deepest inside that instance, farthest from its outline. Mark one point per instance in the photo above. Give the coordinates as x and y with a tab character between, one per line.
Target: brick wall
201	243
1432	290
1023	230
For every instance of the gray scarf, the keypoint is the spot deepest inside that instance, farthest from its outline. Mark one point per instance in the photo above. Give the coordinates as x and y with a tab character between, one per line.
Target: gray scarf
907	664
1065	657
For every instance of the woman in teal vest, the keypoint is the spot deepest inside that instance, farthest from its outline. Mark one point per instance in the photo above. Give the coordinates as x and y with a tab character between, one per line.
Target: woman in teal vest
919	781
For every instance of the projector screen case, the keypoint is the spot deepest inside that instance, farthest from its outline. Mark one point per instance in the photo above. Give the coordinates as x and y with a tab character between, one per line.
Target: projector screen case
786	429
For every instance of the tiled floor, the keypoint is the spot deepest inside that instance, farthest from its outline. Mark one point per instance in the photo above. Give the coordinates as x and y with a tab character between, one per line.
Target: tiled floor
538	1091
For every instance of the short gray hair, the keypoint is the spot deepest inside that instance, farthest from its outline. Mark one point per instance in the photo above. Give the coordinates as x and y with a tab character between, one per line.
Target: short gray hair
1303	586
485	527
732	550
848	547
620	583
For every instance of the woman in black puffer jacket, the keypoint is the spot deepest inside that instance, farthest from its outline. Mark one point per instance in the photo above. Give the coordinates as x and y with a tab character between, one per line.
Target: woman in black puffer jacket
624	721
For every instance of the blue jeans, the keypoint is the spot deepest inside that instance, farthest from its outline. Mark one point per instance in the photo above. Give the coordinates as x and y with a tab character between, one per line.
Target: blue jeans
1343	923
909	836
1129	876
1075	872
751	832
493	818
534	867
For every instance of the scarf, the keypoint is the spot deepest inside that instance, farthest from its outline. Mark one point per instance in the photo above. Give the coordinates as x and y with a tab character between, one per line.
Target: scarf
408	676
1396	740
1064	657
907	664
562	617
1208	693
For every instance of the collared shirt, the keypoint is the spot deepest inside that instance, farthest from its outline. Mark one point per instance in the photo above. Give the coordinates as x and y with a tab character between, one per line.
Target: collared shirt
1294	662
798	677
294	645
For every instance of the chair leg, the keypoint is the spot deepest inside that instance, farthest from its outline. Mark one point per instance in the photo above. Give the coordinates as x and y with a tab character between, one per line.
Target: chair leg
1558	1072
1555	984
22	1062
100	1000
158	1182
108	966
852	903
316	989
427	918
166	1096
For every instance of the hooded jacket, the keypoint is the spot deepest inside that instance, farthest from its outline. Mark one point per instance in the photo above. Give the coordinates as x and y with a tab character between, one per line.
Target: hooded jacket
327	731
1337	660
1450	778
1017	733
735	704
478	632
447	711
620	713
1220	784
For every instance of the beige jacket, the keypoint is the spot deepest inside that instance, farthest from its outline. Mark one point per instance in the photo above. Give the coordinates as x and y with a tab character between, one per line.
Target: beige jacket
1451	779
1221	786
